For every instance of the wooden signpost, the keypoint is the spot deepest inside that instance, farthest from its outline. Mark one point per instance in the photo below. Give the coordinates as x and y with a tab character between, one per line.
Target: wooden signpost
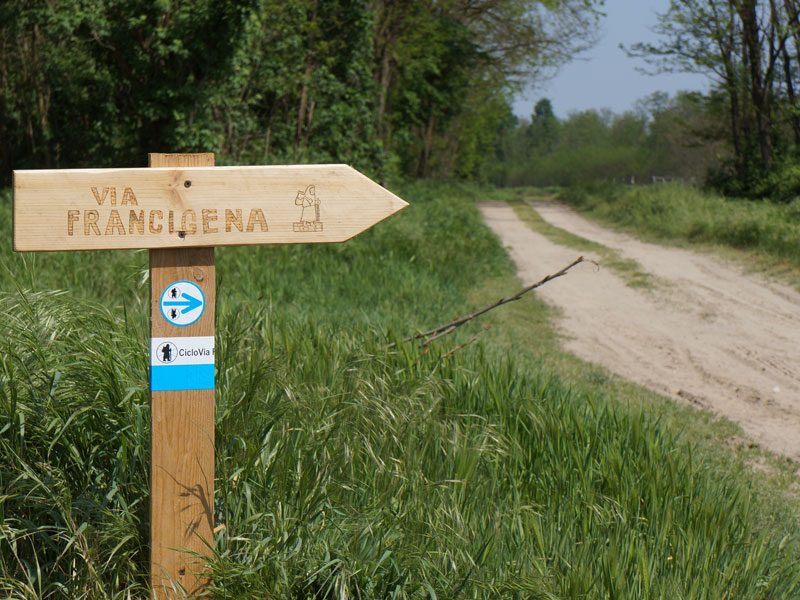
181	208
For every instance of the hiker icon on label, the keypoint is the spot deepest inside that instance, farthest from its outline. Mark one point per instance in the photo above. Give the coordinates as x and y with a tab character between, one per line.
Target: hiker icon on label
166	352
182	303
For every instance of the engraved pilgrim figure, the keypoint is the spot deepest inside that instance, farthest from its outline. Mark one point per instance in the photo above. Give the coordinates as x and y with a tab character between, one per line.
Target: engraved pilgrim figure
309	217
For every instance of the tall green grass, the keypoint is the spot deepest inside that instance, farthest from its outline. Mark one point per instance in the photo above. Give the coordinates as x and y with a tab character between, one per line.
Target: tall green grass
348	471
677	212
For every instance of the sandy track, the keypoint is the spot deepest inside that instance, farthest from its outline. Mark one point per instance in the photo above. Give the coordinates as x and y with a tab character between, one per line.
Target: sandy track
712	336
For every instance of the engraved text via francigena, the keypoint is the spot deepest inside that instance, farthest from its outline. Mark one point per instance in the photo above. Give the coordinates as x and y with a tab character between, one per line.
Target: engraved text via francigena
110	222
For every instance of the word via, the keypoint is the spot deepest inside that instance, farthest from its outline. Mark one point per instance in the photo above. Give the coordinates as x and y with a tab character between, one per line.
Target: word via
140	222
127	196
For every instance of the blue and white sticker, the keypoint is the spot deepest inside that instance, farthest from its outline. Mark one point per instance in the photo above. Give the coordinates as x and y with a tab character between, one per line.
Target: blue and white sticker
182	363
182	303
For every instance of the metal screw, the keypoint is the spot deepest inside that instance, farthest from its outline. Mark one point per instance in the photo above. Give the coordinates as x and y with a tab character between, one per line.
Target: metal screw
187	184
198	274
182	234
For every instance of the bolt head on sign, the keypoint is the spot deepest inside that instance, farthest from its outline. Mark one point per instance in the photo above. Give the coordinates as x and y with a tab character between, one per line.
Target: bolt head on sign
182	303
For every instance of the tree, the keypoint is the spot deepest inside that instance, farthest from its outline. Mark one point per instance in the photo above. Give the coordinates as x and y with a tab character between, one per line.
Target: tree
95	82
741	45
420	84
437	57
544	126
683	135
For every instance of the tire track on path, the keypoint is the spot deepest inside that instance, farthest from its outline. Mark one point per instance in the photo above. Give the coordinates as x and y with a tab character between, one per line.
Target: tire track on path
715	337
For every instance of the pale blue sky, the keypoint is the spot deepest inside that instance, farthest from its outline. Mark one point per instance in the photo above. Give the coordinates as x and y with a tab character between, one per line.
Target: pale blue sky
605	77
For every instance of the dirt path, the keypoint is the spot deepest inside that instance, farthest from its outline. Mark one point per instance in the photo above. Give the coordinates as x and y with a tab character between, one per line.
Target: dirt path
712	336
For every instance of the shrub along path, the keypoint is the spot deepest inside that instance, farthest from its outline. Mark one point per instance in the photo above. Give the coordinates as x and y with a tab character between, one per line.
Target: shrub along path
707	333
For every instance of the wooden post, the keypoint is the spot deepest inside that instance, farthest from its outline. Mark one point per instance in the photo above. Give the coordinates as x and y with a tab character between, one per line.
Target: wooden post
182	420
181	210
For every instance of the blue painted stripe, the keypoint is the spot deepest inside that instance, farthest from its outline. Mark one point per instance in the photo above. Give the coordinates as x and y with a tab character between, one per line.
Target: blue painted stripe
181	377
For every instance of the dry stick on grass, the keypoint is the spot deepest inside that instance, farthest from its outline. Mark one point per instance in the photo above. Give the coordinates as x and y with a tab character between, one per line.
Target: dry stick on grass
443	330
469	341
459	347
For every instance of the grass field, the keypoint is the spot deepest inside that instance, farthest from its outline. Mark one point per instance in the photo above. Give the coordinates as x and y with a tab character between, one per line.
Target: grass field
761	234
344	470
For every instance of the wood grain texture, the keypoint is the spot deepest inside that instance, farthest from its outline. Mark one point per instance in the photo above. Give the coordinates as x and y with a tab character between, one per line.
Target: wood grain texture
192	205
182	437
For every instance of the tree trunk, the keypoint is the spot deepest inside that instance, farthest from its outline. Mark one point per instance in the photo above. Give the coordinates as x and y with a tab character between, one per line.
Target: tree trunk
795	117
726	44
422	169
268	136
383	98
391	17
792	22
758	89
736	126
301	111
307	133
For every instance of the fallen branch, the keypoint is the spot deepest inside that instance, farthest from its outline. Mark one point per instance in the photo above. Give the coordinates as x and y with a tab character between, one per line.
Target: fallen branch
443	330
469	341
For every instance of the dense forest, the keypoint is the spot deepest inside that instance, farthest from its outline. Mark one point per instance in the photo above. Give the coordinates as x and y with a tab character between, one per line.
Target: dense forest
395	87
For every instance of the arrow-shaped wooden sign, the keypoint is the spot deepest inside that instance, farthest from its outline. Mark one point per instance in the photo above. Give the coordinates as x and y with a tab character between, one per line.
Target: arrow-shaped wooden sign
104	209
178	204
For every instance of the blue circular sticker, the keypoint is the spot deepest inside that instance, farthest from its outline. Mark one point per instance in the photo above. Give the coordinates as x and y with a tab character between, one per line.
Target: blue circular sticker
182	303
